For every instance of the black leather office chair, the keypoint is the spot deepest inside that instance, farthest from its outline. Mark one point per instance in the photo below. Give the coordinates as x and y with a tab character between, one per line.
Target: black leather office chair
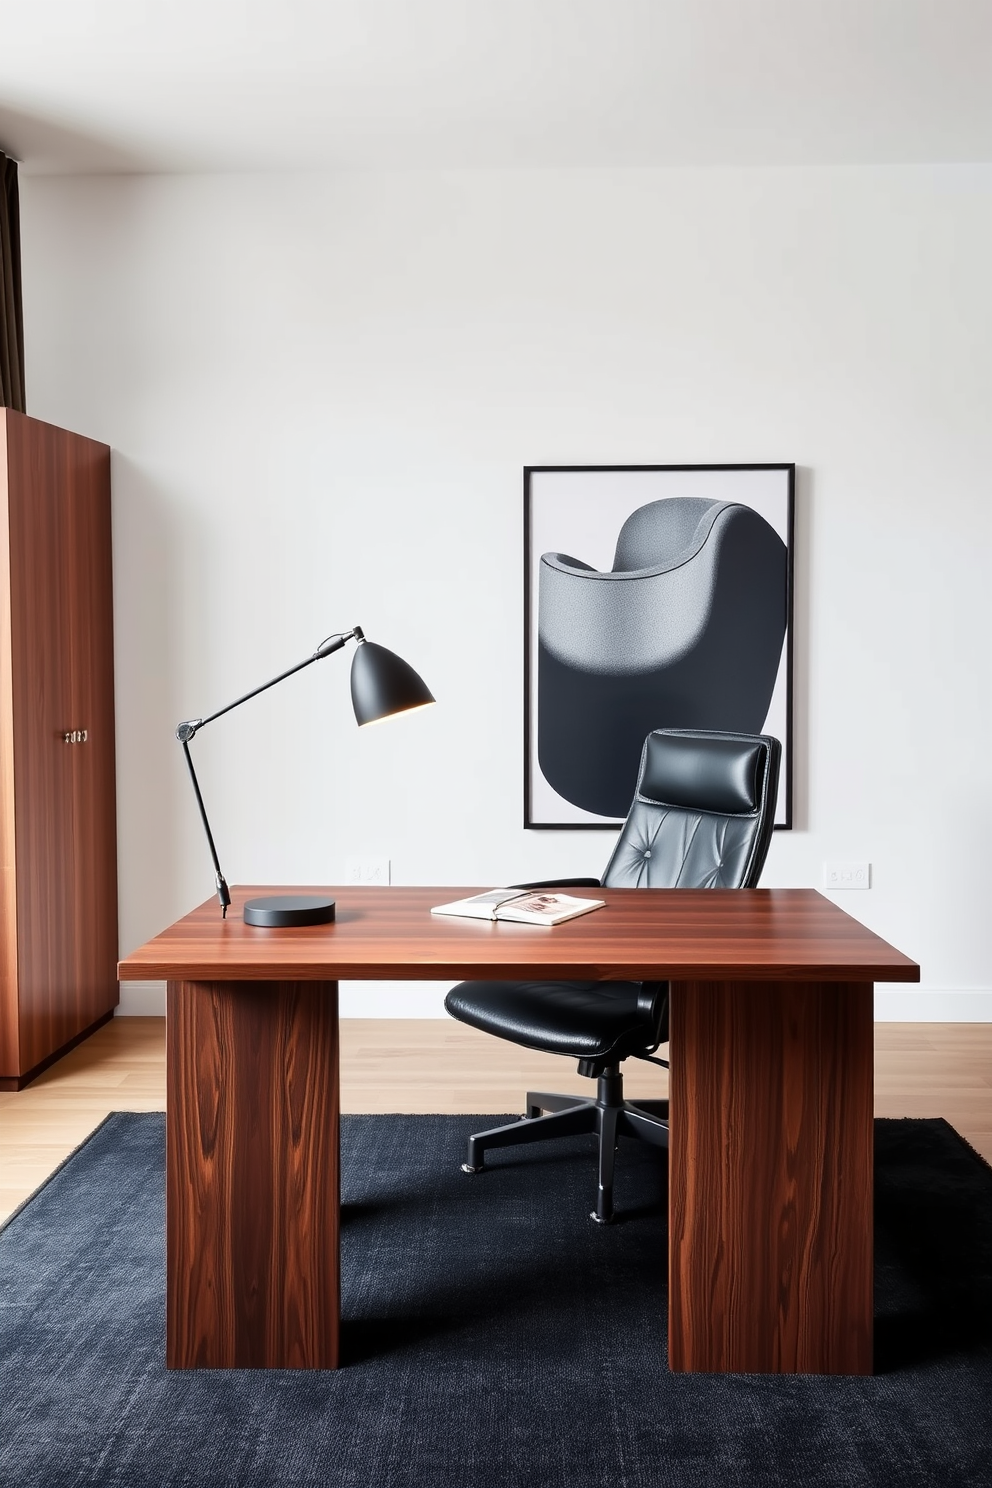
701	817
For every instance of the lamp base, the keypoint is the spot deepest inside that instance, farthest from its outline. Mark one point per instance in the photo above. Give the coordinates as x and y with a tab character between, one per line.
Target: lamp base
284	910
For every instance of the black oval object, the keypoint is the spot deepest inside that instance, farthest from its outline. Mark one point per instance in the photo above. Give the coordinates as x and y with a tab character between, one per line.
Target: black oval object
281	910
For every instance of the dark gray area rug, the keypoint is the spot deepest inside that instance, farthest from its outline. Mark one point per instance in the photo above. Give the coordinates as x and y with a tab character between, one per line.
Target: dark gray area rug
493	1335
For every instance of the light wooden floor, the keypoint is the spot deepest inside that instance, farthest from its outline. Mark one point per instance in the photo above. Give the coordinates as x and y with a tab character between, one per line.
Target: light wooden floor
921	1069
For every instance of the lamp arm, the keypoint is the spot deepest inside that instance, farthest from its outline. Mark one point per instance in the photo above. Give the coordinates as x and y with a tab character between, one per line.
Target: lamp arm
190	728
223	892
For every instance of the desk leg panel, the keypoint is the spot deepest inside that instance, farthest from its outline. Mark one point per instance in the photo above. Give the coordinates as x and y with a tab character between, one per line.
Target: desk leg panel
252	1175
770	1236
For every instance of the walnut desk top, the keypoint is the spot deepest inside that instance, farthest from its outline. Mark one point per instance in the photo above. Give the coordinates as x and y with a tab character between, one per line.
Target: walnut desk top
389	933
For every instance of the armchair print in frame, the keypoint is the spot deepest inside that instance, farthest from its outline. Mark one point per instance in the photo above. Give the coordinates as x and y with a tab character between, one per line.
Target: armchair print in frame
655	596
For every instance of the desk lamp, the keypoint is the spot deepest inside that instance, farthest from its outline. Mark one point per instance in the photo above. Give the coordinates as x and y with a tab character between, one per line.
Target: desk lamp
382	683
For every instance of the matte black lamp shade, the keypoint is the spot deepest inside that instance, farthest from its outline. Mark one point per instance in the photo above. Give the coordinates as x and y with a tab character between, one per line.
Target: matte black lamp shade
382	683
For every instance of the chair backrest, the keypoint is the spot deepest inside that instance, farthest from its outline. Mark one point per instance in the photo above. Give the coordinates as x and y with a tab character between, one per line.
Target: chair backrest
702	814
665	533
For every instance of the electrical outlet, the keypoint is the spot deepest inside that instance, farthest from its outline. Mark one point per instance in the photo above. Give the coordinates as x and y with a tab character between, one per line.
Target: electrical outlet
847	875
367	871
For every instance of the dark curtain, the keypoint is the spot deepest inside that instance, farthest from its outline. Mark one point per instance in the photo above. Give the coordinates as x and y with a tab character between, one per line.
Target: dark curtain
11	315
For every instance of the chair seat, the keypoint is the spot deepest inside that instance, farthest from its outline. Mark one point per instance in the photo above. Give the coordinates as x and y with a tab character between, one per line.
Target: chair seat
586	1020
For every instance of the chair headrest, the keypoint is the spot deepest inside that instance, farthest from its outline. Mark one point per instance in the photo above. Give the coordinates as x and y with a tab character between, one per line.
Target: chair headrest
703	770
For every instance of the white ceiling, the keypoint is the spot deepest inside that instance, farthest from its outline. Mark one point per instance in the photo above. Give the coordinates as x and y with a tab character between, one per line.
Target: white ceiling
211	85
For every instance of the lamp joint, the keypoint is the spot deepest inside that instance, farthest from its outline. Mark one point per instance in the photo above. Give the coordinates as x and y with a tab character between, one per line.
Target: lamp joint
335	642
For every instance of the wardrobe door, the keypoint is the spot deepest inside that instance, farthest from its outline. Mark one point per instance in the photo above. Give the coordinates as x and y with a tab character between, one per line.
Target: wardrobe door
61	895
40	700
9	1030
93	823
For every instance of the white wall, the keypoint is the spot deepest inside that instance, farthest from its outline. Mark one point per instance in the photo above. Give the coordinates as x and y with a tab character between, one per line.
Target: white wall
321	391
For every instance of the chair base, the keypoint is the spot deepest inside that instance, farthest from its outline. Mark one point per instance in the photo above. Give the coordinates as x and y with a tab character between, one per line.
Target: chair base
609	1116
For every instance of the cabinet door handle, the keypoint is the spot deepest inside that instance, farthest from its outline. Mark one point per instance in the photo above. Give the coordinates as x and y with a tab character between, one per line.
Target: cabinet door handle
75	736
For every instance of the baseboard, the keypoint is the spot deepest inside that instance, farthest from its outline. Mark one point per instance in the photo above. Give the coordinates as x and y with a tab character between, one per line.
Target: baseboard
933	1004
142	1000
357	999
393	999
426	1000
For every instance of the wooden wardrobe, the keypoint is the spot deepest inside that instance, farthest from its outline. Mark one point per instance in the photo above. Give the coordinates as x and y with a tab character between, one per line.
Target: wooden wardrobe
58	825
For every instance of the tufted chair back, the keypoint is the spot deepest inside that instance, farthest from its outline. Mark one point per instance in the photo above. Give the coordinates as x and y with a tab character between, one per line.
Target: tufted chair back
702	813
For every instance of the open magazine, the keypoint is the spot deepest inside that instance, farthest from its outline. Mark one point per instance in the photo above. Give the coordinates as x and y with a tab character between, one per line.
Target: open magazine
527	907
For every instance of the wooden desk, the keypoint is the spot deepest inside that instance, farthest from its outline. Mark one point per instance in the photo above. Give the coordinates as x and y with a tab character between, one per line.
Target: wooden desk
770	1205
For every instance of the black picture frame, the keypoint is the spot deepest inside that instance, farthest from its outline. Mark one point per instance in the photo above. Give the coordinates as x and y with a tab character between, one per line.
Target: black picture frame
584	503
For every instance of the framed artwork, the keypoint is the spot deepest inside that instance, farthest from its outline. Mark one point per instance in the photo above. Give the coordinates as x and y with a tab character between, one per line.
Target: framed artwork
655	596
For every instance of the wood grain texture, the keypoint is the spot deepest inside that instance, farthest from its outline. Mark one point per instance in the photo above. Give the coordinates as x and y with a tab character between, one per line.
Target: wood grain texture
40	621
93	790
252	1186
691	934
771	1110
59	901
18	1082
770	1204
9	1041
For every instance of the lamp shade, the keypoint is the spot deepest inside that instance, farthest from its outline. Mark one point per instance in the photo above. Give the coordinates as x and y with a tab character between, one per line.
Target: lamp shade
383	683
